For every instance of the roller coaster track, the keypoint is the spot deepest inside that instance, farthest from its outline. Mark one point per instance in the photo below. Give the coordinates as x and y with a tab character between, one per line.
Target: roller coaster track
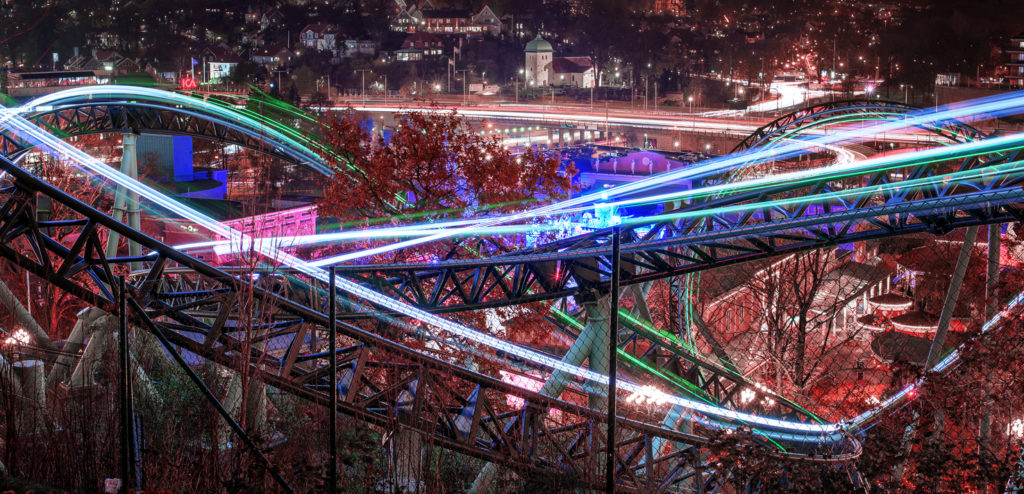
689	241
130	109
386	383
953	130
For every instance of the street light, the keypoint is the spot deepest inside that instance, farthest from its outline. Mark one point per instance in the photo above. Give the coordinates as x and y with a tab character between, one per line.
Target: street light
521	71
363	73
465	93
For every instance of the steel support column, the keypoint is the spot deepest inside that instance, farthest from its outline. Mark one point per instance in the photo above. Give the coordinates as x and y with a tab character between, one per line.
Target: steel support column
124	393
613	351
210	397
332	329
935	352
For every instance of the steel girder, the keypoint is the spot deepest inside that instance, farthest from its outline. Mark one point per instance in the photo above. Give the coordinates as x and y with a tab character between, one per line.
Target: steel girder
385	383
580	266
952	130
131	116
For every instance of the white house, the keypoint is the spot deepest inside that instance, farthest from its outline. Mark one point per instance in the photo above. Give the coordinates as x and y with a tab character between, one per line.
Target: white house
572	71
320	37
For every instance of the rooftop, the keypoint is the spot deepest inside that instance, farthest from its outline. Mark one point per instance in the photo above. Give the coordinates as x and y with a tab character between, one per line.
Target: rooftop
538	45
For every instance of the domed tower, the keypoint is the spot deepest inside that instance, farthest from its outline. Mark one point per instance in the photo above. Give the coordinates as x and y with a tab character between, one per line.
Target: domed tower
538	62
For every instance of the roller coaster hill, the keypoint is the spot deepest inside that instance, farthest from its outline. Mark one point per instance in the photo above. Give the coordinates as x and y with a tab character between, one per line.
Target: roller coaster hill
771	311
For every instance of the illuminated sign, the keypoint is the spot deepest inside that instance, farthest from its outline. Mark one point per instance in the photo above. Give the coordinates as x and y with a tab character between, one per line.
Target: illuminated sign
188	84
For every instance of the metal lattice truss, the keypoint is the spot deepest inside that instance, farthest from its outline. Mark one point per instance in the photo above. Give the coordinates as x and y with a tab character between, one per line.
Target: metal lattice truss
387	384
384	383
91	117
580	266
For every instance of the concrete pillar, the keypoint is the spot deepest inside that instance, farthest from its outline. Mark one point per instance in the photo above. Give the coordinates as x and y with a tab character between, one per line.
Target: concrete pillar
92	358
8	379
126	204
32	414
407	460
598	318
66	360
30	375
11	302
581	349
935	352
255	416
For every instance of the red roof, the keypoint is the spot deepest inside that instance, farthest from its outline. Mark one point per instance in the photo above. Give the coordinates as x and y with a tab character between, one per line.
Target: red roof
103	55
271	50
570	65
420	40
223	54
319	28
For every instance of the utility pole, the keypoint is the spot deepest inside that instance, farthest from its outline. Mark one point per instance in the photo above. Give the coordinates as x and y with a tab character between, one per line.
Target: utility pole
363	72
465	93
592	96
517	84
607	134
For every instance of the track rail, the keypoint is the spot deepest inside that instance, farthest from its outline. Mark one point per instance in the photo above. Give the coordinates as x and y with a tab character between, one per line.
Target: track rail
386	384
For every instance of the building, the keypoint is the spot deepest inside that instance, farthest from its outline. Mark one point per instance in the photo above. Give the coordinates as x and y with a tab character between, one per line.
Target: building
538	60
1014	67
272	56
572	71
409	55
219	62
32	84
106	62
446	21
675	8
271	17
320	37
359	47
252	38
544	69
487	21
428	44
407	21
163	71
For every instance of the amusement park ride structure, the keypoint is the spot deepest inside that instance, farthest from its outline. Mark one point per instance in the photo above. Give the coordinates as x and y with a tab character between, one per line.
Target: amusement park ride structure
190	305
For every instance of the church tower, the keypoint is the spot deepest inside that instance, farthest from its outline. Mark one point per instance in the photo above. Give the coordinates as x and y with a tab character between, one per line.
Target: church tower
538	62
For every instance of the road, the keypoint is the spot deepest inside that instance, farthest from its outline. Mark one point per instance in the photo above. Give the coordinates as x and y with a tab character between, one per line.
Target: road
733	126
